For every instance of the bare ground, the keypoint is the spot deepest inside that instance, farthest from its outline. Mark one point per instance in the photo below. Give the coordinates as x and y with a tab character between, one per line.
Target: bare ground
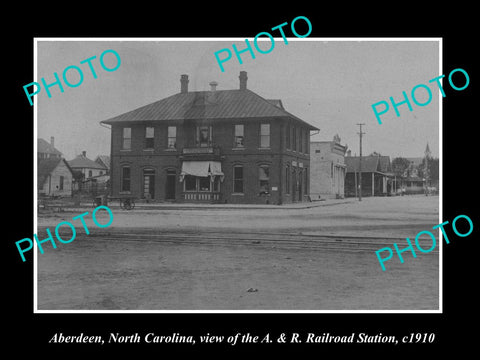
101	274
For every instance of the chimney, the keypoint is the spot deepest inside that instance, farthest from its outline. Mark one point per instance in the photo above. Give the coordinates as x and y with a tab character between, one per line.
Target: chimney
213	86
84	153
243	80
184	84
52	141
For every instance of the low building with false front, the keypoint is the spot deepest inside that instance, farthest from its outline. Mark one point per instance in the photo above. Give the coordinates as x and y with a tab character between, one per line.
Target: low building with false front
224	146
328	169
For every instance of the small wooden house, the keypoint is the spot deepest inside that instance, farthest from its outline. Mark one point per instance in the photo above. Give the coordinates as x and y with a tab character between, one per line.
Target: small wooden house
54	177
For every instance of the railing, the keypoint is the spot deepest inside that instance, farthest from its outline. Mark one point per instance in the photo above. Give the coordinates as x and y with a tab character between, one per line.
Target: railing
201	153
201	196
201	150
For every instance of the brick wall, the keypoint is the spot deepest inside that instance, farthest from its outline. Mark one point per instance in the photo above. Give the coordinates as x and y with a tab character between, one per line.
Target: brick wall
161	159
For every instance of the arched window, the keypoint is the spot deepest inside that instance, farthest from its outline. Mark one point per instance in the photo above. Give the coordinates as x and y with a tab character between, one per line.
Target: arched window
264	178
238	179
287	179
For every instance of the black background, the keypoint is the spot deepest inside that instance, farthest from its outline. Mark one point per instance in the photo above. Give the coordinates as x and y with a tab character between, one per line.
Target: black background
455	328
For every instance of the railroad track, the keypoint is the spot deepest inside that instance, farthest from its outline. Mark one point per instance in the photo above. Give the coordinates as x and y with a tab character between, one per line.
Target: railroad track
251	239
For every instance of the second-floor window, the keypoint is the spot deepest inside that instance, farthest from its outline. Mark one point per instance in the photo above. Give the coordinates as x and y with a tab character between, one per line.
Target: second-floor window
300	147
149	137
294	138
204	136
238	143
287	145
172	137
264	135
307	142
127	138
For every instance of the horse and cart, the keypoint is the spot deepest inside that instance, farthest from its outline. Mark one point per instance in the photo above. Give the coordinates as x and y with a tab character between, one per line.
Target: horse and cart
126	202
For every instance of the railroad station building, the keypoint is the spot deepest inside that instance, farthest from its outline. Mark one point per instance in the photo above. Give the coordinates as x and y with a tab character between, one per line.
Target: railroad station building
220	146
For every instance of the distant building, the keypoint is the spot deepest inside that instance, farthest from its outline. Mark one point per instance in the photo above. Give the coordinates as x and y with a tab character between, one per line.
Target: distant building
412	170
411	182
417	176
87	167
54	177
47	150
377	178
223	146
104	160
328	169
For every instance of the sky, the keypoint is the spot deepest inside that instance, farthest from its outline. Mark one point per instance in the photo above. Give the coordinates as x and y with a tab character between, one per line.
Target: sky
329	84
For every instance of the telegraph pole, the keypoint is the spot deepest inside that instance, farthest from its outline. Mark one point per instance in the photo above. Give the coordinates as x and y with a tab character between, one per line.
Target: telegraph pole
360	165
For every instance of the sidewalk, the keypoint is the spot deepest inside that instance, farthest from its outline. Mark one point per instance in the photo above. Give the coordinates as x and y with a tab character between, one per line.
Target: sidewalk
197	206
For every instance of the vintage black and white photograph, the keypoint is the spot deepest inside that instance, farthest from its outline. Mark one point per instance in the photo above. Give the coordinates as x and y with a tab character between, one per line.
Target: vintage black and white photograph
294	180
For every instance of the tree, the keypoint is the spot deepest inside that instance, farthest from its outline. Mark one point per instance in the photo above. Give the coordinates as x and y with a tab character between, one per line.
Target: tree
400	166
433	169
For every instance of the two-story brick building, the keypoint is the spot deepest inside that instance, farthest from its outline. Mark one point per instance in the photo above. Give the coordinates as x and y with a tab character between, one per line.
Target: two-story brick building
226	146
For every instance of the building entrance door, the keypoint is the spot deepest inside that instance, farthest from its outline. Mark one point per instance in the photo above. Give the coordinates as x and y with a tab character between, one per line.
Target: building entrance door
170	185
294	185
149	184
299	182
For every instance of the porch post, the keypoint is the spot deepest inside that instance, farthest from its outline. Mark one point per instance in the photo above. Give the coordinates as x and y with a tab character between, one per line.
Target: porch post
355	173
373	184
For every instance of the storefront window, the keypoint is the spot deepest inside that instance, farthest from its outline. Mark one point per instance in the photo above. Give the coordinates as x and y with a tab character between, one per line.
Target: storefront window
190	183
204	183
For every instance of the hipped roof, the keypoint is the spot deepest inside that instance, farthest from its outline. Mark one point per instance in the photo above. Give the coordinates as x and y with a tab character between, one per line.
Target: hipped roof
81	162
218	104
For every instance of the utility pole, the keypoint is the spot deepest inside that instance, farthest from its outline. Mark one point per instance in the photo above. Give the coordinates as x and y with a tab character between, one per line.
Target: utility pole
360	165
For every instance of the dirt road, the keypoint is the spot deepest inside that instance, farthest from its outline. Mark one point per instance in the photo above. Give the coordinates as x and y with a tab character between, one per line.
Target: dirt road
133	272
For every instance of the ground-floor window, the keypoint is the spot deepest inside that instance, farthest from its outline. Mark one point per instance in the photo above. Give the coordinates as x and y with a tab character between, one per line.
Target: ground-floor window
305	173
238	179
126	178
190	183
287	179
202	184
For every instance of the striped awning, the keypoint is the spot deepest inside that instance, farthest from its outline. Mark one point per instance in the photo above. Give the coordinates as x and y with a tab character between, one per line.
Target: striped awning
201	169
